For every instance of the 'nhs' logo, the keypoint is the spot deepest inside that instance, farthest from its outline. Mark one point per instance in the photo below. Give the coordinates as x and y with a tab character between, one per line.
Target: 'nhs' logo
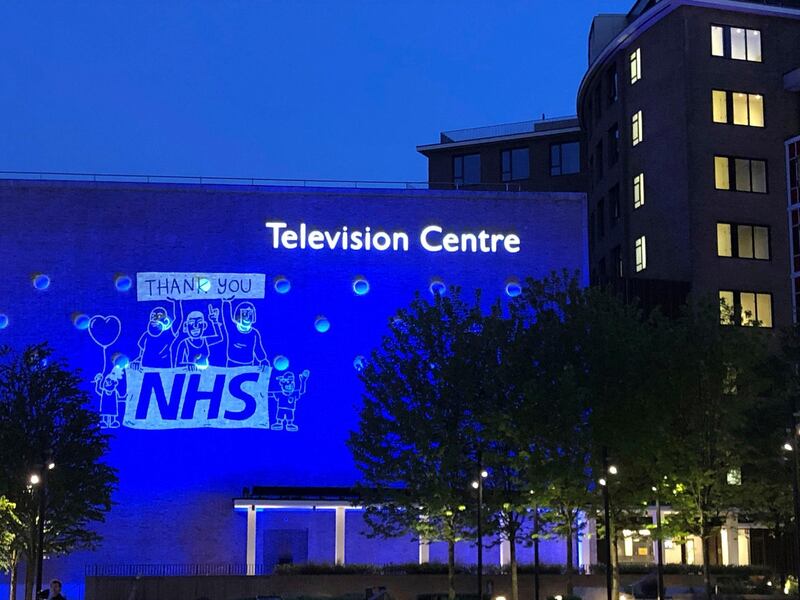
220	397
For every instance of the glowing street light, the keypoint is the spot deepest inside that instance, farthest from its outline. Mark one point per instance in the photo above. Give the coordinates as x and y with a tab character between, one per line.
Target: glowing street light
612	470
788	447
35	479
475	485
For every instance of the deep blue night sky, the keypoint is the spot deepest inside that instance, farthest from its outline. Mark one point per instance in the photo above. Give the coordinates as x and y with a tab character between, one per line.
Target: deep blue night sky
292	89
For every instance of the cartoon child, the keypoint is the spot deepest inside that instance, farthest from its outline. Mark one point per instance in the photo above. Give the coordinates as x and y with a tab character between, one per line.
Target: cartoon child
287	399
245	347
155	344
110	397
193	351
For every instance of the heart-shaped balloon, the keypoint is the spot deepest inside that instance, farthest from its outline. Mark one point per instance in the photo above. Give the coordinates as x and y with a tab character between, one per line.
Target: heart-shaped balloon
104	330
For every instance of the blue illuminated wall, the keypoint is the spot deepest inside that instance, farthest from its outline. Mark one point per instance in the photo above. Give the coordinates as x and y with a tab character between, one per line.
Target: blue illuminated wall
96	269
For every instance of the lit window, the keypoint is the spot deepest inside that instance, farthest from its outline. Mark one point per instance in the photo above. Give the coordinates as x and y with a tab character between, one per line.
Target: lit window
636	65
717	40
515	164
722	180
640	248
747	109
747	174
743	241
736	43
565	158
637	128
724	242
638	191
467	169
719	100
745	308
726	307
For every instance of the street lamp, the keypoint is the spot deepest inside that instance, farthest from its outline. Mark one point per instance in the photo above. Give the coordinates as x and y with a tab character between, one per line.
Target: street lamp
791	446
36	479
660	548
607	470
478	485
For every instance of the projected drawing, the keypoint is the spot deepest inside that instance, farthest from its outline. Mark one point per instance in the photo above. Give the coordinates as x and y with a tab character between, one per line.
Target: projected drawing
155	344
193	351
286	399
244	343
111	398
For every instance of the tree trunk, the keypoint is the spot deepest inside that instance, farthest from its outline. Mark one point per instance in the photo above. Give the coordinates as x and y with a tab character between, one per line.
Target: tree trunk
614	560
513	556
570	586
704	537
451	570
12	589
29	575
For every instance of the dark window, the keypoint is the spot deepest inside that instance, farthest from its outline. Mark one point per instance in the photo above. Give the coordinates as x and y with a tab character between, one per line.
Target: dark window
565	158
601	267
592	225
612	85
598	161
613	205
467	169
613	145
616	260
598	103
601	218
515	164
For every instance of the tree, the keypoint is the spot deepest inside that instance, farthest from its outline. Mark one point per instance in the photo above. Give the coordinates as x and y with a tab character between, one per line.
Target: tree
415	445
44	416
718	391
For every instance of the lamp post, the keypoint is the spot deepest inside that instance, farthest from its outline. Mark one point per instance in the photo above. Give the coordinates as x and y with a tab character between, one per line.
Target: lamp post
660	548
607	470
478	485
792	446
40	479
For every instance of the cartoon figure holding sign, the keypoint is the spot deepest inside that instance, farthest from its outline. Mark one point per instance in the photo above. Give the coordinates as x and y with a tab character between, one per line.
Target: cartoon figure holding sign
287	399
245	347
194	349
155	344
110	397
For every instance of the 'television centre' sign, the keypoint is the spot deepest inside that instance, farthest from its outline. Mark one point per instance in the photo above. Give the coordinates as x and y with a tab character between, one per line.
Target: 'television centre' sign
220	330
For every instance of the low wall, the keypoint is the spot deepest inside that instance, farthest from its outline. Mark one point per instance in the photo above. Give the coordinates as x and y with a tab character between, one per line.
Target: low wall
400	587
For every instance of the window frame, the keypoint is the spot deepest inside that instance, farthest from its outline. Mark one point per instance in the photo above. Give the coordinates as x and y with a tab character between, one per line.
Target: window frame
637	184
637	128
727	43
732	174
730	108
635	65
640	253
736	312
461	157
510	153
560	146
735	244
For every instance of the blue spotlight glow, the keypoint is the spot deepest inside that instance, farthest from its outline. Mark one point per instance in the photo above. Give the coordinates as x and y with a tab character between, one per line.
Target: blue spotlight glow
3	321
80	321
282	285
201	362
41	281
281	362
322	324
361	286
123	283
513	289
204	285
359	363
120	361
438	287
